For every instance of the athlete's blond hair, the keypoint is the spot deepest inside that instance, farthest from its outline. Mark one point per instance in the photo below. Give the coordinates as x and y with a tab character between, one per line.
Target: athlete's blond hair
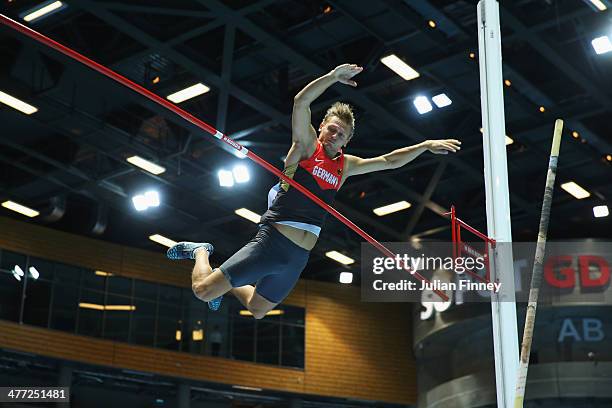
342	111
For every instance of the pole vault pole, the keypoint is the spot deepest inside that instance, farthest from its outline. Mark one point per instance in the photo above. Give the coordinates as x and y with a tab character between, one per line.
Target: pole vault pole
204	126
536	275
503	304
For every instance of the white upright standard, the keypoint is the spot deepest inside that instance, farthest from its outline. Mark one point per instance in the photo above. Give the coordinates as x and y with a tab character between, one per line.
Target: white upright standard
503	306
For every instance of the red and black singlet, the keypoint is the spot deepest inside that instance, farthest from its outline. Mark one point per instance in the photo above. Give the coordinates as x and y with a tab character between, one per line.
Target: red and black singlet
320	175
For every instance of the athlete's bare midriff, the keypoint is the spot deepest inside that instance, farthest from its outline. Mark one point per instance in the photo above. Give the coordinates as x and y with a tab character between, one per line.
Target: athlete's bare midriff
303	239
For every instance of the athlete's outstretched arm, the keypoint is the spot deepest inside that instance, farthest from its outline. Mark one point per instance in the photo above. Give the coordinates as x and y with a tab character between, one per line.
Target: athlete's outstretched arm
398	158
303	134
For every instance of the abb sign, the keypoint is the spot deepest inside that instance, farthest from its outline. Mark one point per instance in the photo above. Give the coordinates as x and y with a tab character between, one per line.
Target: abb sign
593	271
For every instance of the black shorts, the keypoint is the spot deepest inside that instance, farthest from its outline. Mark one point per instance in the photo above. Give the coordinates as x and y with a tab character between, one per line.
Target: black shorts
270	260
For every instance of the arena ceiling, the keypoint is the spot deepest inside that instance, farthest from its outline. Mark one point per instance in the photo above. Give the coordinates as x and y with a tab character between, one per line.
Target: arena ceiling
68	160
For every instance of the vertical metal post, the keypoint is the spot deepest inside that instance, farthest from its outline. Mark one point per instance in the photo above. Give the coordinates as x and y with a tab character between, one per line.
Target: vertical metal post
64	379
226	74
295	403
24	289
183	396
503	306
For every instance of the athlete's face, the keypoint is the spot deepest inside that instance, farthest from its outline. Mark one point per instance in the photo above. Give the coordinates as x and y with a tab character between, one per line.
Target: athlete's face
334	134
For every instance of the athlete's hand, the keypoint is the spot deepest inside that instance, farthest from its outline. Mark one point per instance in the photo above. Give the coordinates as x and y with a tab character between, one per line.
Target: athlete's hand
443	146
343	73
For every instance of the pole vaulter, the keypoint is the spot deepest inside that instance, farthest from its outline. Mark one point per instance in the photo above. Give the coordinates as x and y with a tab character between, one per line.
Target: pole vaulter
204	126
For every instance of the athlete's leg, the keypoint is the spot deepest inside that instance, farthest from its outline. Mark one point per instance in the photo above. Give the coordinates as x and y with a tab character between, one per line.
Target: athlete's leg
269	254
200	283
254	302
206	283
259	306
243	294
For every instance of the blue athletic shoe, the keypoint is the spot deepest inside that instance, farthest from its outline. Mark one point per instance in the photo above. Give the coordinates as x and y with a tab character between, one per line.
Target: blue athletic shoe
186	250
215	304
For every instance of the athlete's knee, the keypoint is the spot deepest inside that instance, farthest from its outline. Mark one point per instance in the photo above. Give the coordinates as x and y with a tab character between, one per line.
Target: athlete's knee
259	314
203	291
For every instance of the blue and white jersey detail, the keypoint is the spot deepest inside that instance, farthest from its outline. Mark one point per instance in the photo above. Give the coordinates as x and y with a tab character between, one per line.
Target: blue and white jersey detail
295	224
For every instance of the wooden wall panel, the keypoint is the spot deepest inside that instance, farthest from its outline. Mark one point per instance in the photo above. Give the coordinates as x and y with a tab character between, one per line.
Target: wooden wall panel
371	341
352	349
113	354
55	343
